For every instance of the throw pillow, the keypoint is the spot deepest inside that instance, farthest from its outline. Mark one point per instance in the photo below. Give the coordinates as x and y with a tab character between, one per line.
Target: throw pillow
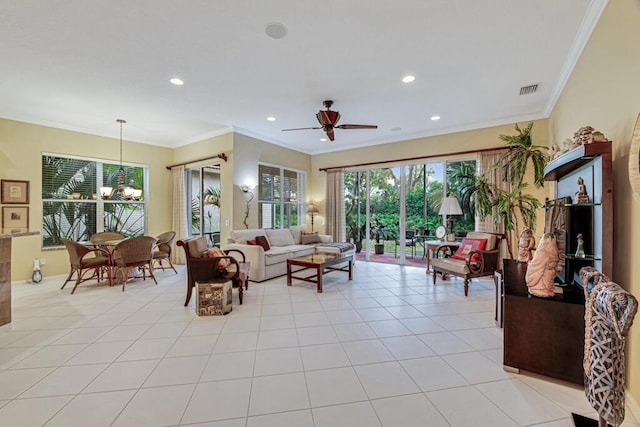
262	241
468	245
280	237
214	253
252	242
308	238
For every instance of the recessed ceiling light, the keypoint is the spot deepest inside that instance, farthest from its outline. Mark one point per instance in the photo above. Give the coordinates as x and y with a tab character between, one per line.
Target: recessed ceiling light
408	79
275	30
176	81
323	139
271	119
434	118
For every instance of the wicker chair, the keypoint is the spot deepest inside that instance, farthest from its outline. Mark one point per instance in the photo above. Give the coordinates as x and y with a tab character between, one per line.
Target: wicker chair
99	239
135	252
164	247
84	259
206	269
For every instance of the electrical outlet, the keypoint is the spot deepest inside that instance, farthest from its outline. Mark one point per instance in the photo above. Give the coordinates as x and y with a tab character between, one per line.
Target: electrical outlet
43	261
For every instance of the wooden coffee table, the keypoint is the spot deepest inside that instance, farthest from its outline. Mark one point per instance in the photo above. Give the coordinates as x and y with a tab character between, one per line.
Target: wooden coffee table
320	261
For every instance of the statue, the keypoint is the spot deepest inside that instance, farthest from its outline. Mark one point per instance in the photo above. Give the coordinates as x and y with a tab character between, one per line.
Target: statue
581	194
526	245
542	268
580	249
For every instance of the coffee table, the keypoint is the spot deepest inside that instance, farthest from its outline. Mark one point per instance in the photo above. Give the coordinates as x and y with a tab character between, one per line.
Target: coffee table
319	261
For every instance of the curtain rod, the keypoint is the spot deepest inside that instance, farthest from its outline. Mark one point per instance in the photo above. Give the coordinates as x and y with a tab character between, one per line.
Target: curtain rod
407	159
217	156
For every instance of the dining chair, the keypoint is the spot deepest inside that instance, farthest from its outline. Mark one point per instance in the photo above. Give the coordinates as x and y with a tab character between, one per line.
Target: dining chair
131	253
163	249
84	259
409	242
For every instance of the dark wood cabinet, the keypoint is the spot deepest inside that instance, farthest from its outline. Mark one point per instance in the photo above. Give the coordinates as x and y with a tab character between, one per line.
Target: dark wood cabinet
546	336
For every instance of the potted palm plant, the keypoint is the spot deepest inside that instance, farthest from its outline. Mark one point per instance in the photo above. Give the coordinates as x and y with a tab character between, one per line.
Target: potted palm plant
513	208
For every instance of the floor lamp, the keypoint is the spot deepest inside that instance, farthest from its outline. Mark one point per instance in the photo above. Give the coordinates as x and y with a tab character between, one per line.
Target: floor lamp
312	210
450	206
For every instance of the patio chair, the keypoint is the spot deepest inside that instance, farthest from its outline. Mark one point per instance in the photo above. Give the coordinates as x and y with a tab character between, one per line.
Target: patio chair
135	252
84	260
409	242
163	249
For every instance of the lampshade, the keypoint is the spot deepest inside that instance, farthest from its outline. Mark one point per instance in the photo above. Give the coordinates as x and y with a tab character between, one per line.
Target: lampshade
312	209
450	206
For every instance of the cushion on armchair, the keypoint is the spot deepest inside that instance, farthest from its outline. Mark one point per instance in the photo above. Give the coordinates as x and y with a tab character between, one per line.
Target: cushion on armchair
467	245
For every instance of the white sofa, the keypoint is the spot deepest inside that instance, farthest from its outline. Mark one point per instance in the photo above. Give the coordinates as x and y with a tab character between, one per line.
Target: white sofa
284	244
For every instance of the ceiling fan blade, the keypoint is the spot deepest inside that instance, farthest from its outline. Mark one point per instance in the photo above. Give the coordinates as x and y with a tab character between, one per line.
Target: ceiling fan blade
285	130
330	135
345	126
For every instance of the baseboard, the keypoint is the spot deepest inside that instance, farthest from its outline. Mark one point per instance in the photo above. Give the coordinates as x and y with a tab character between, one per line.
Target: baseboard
632	405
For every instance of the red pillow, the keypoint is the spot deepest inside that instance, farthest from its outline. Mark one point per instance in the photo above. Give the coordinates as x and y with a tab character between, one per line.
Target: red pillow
262	241
252	242
468	245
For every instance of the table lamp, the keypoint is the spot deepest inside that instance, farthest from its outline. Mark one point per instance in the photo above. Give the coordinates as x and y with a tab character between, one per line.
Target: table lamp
312	210
450	206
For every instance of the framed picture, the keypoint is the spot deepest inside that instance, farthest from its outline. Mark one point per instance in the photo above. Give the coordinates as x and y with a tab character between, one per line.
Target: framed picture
15	219
14	192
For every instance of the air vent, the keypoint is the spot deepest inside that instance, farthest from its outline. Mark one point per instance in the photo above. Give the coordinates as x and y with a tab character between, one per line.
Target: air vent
528	90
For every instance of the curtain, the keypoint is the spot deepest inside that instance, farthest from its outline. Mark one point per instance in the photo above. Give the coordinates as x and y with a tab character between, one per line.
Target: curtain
485	167
335	219
494	176
179	218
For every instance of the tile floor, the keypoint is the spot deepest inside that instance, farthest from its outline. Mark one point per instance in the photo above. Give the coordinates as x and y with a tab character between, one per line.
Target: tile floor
387	348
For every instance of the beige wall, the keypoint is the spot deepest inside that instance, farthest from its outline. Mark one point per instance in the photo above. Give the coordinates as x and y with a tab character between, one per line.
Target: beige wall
21	148
431	146
603	92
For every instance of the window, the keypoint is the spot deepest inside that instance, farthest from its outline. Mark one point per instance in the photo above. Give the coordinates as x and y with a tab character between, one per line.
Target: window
280	197
80	197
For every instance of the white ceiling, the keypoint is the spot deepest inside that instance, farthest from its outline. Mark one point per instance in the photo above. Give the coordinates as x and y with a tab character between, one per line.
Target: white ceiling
81	64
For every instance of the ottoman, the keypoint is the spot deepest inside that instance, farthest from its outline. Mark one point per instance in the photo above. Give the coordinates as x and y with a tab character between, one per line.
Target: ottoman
213	297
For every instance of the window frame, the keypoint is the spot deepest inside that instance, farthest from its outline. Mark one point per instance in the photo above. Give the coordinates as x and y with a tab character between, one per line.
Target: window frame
286	209
98	201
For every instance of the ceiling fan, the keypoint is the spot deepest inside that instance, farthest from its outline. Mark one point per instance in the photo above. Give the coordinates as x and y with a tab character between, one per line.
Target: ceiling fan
329	119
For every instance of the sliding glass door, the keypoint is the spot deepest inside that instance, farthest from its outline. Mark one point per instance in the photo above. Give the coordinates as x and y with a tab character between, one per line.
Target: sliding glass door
392	211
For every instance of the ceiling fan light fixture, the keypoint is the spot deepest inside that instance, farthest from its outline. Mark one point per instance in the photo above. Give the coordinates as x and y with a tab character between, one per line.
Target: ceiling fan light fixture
176	81
408	78
435	118
323	139
271	119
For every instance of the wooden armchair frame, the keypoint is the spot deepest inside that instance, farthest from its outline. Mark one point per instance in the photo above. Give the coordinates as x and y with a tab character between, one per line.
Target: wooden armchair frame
476	264
206	269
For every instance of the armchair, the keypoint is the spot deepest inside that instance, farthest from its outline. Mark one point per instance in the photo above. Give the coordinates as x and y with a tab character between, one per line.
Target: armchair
84	259
476	263
132	253
163	249
200	268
